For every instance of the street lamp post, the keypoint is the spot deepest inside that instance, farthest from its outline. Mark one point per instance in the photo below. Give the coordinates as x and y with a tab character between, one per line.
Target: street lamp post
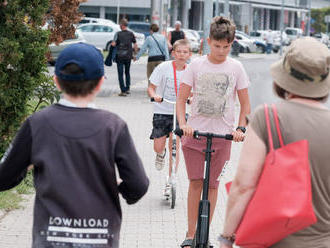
208	8
226	9
217	8
118	9
309	18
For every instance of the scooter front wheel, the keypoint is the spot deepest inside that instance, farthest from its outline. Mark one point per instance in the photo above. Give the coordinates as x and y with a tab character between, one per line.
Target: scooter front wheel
173	196
194	245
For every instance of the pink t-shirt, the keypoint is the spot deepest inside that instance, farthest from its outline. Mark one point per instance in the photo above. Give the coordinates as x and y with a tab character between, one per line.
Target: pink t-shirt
215	88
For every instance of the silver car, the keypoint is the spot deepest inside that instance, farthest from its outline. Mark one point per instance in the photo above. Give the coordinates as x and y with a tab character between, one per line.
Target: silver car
55	50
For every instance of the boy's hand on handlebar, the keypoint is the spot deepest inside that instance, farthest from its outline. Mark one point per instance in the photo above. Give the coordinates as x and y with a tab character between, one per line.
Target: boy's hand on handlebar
187	130
238	136
158	98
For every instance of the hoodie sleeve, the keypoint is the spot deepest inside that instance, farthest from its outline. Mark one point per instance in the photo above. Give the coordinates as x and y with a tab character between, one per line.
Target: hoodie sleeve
135	182
14	163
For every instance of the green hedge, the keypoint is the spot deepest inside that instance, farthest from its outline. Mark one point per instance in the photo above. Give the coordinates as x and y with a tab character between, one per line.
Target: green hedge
23	67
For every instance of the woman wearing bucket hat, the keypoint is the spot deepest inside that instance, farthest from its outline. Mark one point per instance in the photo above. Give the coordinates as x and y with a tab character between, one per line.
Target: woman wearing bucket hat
302	80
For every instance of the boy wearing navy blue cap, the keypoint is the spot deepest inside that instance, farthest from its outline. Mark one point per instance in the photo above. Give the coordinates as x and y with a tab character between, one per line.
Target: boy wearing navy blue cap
74	148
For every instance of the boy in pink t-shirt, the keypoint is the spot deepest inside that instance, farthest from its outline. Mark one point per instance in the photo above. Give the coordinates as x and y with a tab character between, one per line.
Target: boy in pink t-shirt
215	80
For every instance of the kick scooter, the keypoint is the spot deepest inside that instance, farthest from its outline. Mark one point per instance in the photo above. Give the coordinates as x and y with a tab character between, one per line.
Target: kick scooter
203	223
171	195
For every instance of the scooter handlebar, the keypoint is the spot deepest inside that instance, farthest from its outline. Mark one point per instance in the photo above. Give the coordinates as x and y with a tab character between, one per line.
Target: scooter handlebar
197	134
152	99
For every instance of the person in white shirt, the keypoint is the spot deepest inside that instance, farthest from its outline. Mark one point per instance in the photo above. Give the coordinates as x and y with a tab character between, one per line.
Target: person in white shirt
165	83
269	38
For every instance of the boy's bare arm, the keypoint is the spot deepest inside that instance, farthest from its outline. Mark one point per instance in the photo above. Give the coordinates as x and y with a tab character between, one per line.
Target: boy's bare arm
152	92
243	97
184	93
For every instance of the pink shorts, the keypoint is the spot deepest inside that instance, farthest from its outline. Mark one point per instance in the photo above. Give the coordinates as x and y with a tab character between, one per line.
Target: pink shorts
195	157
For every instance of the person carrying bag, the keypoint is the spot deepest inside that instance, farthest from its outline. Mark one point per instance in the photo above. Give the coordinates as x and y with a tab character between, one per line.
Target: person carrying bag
280	197
156	46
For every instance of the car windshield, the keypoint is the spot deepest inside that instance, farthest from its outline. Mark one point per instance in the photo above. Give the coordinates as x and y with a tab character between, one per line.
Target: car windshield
291	32
255	34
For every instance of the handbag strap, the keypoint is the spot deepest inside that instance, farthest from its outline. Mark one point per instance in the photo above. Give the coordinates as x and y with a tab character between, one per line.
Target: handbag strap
158	45
269	131
277	124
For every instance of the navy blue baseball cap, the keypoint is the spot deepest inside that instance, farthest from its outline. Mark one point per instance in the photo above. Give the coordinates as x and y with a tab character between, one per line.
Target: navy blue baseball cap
86	56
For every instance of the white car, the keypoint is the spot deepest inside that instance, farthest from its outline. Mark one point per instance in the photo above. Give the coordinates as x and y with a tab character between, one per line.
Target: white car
247	42
322	37
293	33
102	34
87	20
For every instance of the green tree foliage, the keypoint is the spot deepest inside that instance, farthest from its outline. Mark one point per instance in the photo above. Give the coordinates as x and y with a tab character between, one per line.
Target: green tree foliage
23	70
318	15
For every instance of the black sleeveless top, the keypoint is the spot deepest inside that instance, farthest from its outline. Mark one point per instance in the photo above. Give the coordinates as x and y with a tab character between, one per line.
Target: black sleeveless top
176	35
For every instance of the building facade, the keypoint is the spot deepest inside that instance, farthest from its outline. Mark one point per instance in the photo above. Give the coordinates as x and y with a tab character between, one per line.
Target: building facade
248	15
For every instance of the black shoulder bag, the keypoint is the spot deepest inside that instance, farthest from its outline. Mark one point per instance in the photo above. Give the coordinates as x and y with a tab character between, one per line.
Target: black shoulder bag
159	57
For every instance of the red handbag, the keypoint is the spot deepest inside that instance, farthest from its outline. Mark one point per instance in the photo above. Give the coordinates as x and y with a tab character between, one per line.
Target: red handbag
282	202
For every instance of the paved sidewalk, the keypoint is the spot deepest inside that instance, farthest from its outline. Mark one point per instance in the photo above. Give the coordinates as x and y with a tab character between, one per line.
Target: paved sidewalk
151	222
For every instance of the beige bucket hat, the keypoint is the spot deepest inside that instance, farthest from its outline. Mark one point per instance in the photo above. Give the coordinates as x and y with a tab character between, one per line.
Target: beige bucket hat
304	69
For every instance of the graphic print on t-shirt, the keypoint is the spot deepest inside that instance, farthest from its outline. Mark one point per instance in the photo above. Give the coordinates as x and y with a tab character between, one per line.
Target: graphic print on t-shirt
212	94
88	232
169	89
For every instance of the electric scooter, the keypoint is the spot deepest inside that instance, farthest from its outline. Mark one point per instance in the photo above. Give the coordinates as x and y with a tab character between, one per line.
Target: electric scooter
172	180
201	239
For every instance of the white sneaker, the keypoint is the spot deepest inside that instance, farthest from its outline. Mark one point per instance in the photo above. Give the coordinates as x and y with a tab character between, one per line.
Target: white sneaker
160	160
167	190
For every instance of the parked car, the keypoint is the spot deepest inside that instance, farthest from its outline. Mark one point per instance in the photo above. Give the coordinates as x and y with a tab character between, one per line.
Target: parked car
260	44
293	33
194	39
194	33
322	37
102	34
260	35
87	20
245	40
140	27
55	50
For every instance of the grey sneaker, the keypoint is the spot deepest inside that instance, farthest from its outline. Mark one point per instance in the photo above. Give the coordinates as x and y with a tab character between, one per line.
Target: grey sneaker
160	160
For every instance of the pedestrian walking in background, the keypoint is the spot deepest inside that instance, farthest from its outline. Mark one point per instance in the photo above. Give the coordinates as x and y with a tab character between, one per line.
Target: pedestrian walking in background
175	35
156	45
123	40
216	80
302	80
269	38
76	150
165	83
